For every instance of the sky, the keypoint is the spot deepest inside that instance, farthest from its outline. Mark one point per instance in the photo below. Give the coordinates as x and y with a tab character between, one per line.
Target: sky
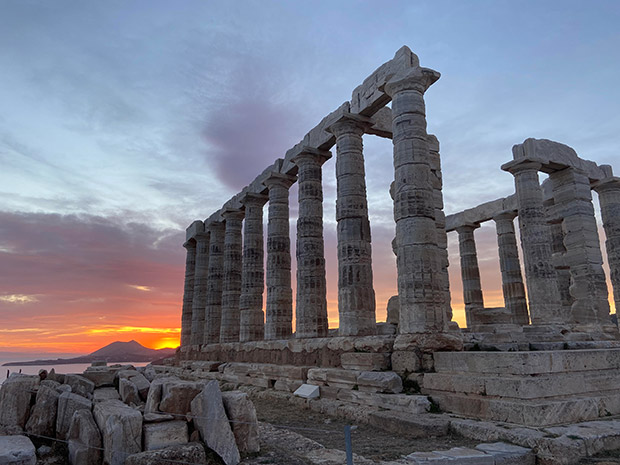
123	122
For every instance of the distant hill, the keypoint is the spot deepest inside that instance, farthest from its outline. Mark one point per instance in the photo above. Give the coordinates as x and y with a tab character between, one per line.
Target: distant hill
131	351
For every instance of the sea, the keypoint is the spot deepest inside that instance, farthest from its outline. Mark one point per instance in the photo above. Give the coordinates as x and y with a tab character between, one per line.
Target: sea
59	368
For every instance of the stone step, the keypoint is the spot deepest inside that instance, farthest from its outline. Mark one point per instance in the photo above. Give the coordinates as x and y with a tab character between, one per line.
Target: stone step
528	363
530	412
413	425
523	386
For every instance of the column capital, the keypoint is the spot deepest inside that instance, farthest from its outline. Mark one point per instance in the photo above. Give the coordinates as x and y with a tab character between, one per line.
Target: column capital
214	226
349	123
507	215
251	198
201	237
467	227
418	79
521	165
233	214
279	179
190	244
311	155
611	183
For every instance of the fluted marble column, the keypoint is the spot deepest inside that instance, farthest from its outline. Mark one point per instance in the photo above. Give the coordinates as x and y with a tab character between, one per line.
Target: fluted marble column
188	292
512	280
311	309
609	197
356	295
199	298
279	307
558	250
420	280
252	324
573	201
440	222
470	272
213	309
231	281
541	277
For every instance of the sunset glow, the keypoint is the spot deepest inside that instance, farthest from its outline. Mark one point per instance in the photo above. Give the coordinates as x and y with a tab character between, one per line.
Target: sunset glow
121	125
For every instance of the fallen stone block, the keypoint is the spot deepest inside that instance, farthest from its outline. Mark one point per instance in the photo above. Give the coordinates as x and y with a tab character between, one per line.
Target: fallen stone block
176	397
17	450
80	385
155	391
308	391
374	381
105	393
128	391
42	419
157	417
365	361
68	403
211	421
242	416
165	434
508	454
15	396
84	439
102	376
121	429
188	453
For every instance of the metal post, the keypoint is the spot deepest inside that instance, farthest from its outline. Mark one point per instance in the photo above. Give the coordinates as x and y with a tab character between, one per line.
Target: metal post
347	442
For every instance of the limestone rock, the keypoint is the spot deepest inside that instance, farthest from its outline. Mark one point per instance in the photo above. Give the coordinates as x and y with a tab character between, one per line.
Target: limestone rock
84	439
155	392
102	376
211	420
105	393
138	379
15	396
508	454
393	310
17	450
177	396
242	414
365	361
68	403
128	391
42	419
188	453
374	381
156	417
80	385
165	434
308	391
121	429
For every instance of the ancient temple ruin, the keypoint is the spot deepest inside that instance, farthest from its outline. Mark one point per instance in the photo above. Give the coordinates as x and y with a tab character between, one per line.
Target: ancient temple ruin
550	356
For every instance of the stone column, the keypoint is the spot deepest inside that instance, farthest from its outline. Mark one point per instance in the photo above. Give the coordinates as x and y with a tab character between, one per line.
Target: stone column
231	281
573	200
188	292
252	325
420	281
510	266
311	309
279	308
199	300
558	250
609	197
213	309
541	277
440	223
470	272
356	296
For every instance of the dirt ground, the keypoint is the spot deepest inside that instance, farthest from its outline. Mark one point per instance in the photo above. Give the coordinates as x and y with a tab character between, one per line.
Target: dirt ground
369	442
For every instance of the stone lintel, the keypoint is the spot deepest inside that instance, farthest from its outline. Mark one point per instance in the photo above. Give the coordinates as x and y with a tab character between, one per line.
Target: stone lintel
360	121
483	212
554	156
610	183
216	217
194	228
369	97
505	215
467	227
381	123
234	213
